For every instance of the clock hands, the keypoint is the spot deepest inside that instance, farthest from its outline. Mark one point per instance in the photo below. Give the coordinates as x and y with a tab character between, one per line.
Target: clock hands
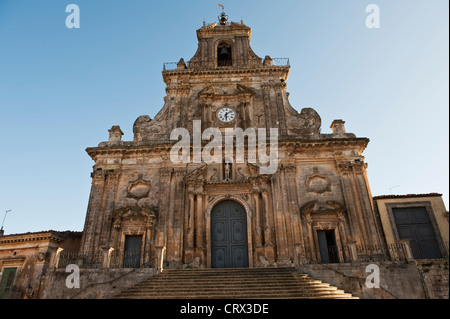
227	115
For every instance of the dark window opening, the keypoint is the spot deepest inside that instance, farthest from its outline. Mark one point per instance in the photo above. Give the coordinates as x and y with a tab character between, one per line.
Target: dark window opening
414	224
224	55
6	283
327	246
132	252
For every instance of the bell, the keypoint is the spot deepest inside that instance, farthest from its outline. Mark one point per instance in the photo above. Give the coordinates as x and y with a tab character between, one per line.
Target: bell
224	53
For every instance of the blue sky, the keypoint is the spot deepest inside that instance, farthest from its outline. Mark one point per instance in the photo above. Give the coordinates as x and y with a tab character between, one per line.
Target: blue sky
62	89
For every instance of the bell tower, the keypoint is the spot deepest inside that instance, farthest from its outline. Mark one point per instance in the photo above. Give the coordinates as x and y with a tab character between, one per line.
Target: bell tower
224	44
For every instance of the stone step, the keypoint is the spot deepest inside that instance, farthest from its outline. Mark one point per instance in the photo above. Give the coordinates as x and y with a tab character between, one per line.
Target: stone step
234	286
290	287
252	271
235	293
238	296
267	283
225	280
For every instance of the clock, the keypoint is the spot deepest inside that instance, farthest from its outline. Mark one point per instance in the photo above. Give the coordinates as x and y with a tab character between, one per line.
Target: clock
226	114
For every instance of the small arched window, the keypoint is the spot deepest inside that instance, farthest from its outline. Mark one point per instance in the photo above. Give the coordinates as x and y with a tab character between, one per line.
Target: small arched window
224	55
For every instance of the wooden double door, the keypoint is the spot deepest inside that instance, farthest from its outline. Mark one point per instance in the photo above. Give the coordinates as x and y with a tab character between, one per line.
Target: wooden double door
229	240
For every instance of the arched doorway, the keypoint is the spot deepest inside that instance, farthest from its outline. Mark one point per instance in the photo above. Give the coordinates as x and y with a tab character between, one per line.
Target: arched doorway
229	242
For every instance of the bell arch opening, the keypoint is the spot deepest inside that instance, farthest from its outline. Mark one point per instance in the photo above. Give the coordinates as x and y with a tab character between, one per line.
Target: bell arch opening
224	56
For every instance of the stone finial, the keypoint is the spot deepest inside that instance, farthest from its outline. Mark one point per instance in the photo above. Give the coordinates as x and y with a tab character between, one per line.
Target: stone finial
181	64
115	134
338	127
268	60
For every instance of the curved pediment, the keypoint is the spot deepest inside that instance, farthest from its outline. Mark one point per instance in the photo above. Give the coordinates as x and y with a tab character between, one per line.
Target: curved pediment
317	207
135	212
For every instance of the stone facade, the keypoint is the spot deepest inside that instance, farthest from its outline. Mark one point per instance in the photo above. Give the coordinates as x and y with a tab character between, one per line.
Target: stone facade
314	211
320	182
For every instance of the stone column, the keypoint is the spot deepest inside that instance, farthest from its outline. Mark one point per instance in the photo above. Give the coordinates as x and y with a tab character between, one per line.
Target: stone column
367	203
190	222
95	201
352	252
258	228
267	105
116	234
161	233
105	218
148	240
351	201
199	221
170	239
189	229
268	240
310	237
281	231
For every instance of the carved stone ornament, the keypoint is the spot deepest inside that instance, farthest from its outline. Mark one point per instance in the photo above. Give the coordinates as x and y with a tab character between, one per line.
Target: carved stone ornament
41	256
138	189
145	128
317	207
197	174
325	225
307	123
134	212
317	184
357	166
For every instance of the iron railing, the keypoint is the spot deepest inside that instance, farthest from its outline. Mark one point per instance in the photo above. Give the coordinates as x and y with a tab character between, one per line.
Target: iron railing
169	66
376	253
115	259
208	64
84	260
128	259
152	263
281	62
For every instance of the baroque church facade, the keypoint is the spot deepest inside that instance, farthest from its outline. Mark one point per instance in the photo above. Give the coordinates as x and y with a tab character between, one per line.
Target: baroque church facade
289	197
315	205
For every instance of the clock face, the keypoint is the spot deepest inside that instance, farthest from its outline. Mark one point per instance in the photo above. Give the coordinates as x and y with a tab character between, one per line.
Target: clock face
226	114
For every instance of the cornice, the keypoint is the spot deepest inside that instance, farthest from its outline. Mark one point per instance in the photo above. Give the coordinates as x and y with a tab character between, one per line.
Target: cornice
320	142
15	238
225	70
127	148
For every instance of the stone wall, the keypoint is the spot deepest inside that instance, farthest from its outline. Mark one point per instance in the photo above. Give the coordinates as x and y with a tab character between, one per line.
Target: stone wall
398	280
94	283
435	278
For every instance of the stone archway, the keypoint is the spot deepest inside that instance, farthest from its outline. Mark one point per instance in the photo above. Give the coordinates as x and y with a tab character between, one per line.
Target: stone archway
229	244
326	232
242	222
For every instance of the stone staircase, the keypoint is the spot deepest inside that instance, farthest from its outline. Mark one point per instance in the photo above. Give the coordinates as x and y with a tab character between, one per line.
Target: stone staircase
244	283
